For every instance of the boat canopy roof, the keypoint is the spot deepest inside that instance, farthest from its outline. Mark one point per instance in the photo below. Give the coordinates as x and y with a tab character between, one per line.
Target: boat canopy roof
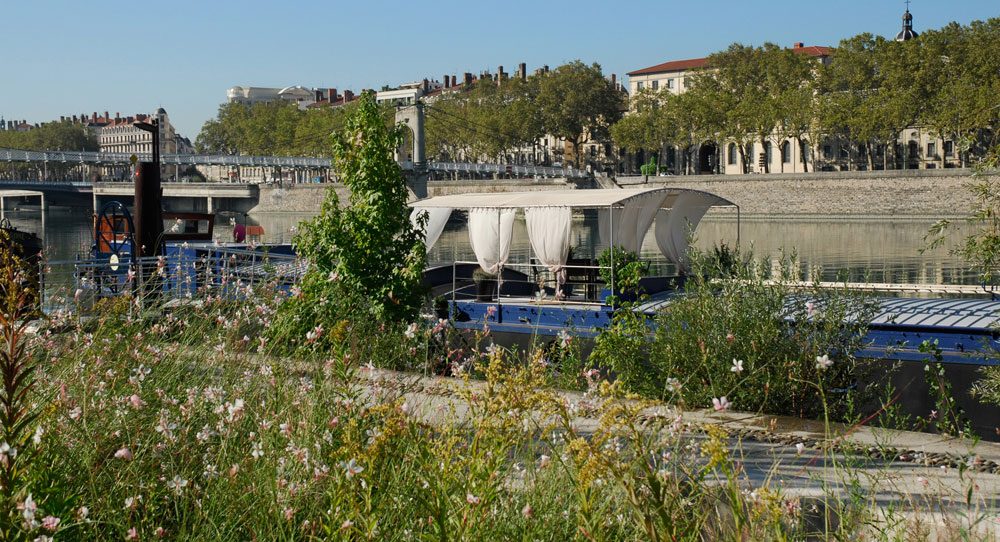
624	217
579	199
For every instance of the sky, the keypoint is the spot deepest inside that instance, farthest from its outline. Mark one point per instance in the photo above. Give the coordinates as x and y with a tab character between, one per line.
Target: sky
71	57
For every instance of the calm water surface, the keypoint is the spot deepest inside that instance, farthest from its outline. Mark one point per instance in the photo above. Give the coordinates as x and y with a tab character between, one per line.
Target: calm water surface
884	250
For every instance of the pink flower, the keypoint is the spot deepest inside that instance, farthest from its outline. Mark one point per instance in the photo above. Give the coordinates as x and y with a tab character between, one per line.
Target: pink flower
50	523
132	535
347	524
721	403
527	512
124	453
136	402
472	499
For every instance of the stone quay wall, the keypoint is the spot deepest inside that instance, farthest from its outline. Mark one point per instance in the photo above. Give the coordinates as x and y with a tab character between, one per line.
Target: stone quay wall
308	198
861	194
858	194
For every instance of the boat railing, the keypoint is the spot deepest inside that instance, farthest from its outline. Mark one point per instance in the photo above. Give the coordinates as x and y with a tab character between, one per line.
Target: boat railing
576	282
184	273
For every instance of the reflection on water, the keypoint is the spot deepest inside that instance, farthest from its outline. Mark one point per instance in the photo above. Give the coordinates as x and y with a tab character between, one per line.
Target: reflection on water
885	251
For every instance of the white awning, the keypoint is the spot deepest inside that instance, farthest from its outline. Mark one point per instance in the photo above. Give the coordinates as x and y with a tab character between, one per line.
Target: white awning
580	199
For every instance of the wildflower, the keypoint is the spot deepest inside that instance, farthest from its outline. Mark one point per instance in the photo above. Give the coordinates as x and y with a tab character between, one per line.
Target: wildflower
28	508
564	338
132	502
721	403
50	523
136	402
124	453
83	512
440	325
258	451
527	512
810	307
411	331
543	461
176	227
36	438
737	366
351	467
333	277
347	524
75	413
799	448
472	499
730	337
132	534
823	362
177	484
6	453
923	480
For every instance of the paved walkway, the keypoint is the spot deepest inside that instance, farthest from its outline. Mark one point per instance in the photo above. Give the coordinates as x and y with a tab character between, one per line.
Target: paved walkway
896	471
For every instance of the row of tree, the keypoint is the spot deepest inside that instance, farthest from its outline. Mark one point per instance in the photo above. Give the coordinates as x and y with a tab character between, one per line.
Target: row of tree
946	81
482	122
574	102
65	136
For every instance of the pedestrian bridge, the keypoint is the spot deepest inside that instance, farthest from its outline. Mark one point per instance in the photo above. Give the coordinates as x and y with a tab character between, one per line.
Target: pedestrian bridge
225	160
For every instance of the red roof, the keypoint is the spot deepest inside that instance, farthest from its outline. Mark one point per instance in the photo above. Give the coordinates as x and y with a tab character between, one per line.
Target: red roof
678	65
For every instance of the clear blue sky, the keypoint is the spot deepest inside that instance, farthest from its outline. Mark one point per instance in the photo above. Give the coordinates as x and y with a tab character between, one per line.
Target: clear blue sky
68	57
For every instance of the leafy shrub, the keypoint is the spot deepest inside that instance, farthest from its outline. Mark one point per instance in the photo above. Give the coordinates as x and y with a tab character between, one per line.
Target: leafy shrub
747	339
628	270
650	168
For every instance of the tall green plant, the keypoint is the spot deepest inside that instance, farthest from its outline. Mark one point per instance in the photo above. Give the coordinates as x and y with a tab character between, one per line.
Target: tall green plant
369	247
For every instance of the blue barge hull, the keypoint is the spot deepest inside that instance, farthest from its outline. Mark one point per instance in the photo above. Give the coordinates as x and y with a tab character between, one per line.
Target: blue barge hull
966	329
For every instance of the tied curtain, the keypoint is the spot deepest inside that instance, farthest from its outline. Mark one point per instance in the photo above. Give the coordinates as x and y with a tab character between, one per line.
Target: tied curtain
549	235
627	227
490	231
672	226
437	217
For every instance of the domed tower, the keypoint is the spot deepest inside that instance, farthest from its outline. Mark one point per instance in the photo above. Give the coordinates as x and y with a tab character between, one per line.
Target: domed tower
907	32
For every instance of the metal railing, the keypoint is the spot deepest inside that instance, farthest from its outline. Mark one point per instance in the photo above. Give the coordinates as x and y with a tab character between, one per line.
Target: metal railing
187	273
75	157
530	282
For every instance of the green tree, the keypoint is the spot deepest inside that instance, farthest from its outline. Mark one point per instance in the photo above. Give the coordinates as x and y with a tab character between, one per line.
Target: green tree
576	101
369	247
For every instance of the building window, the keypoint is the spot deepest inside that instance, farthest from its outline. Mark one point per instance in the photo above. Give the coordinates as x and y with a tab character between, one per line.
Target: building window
656	85
670	83
638	86
827	152
844	152
786	152
949	148
749	151
732	154
931	149
687	82
769	152
805	151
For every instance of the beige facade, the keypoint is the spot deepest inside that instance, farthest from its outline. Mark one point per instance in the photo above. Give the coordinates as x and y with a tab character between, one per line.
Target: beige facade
916	148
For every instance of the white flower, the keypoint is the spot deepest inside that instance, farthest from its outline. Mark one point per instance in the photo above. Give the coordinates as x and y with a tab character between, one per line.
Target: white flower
799	448
721	403
472	499
177	484
351	467
823	362
564	338
124	453
75	413
258	450
411	331
737	366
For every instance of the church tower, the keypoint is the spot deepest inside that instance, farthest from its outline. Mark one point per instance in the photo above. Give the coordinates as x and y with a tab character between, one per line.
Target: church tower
907	32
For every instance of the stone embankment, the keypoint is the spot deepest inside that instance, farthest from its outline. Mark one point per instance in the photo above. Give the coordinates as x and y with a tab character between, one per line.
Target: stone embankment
854	194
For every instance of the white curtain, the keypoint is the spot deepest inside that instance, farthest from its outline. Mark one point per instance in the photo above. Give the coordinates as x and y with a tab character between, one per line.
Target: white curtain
672	226
437	217
549	234
490	231
630	223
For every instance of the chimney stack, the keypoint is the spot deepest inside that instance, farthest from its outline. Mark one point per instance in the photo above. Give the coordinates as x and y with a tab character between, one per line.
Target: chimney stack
798	45
117	116
62	118
445	81
425	85
614	78
522	69
331	93
317	95
545	68
466	78
453	79
348	96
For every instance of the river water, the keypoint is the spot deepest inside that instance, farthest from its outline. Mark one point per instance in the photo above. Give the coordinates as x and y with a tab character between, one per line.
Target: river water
881	249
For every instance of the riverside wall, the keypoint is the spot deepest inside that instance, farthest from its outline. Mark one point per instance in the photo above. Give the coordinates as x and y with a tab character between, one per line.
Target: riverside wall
862	194
858	194
307	198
